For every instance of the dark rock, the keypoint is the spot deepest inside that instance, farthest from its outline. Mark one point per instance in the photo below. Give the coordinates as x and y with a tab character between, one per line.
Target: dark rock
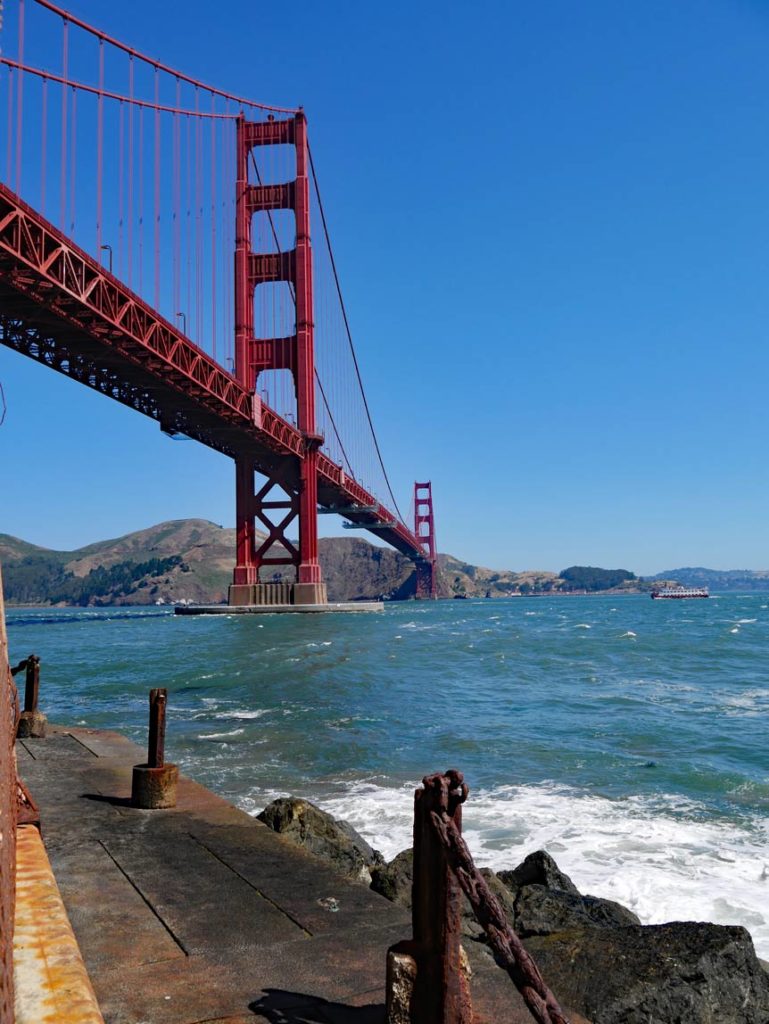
546	900
334	841
540	911
394	880
679	973
538	868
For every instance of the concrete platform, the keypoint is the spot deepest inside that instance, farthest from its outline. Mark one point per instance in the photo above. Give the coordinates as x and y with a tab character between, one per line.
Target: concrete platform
277	609
201	914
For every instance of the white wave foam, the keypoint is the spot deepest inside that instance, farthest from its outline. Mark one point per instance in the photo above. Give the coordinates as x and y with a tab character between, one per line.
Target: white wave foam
629	633
242	714
655	856
582	625
221	735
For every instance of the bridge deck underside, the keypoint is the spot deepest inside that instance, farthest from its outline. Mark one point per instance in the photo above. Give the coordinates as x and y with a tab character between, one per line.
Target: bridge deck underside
61	308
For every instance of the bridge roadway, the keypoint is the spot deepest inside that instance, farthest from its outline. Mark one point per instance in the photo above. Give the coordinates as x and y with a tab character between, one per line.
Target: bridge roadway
60	307
202	914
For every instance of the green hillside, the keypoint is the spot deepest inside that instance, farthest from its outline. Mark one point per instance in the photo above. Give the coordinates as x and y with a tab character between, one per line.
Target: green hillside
192	560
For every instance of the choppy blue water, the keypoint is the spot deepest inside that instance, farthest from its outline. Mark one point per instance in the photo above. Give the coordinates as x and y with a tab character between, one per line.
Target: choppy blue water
627	736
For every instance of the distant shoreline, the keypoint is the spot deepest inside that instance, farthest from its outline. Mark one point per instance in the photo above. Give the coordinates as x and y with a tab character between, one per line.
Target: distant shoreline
458	597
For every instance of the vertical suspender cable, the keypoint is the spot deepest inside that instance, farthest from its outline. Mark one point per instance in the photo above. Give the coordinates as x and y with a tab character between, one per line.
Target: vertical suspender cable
227	247
213	227
177	203
73	147
9	141
43	146
63	154
130	170
188	221
121	190
157	190
19	95
198	236
141	199
99	148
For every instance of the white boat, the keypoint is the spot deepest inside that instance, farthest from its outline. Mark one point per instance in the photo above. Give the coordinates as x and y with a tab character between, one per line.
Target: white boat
677	593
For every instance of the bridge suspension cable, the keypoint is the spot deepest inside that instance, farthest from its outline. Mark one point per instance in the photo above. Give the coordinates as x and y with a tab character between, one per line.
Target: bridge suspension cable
348	333
135	161
212	90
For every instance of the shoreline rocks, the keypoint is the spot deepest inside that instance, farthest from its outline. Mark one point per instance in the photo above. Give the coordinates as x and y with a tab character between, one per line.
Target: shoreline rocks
685	972
335	842
594	953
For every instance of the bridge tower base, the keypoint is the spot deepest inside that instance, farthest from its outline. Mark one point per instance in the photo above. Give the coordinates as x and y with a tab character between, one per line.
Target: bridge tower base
274	509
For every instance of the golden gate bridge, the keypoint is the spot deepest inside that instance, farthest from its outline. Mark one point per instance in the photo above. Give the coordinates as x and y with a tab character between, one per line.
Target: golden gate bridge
156	246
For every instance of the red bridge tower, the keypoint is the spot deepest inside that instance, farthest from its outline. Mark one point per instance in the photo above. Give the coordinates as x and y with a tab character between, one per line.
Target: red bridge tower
424	528
286	496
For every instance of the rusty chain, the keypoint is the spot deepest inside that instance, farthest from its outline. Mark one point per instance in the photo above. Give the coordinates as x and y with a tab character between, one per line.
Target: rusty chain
512	954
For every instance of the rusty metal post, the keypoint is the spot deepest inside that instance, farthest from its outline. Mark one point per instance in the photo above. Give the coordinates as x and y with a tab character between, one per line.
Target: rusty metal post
441	993
154	784
32	722
157	738
32	688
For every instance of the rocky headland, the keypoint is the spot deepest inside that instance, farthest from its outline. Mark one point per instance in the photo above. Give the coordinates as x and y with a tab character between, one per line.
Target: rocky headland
594	953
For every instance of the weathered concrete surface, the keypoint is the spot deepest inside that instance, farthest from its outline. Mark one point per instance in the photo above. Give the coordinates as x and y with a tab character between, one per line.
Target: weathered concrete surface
51	982
201	914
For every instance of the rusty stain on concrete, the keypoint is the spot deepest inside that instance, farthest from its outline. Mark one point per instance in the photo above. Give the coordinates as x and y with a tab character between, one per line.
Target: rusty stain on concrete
52	984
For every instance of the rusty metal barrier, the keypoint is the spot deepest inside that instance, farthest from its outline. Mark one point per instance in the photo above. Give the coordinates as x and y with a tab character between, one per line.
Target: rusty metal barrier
443	865
9	711
153	785
32	723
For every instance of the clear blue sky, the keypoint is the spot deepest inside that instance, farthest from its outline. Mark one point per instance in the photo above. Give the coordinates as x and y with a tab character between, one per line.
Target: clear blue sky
552	227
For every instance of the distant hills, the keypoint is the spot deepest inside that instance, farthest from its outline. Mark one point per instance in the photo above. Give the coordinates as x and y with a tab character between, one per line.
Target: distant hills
192	560
717	579
181	560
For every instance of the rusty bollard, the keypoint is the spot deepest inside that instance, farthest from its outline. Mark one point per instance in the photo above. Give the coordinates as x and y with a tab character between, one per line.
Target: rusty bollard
32	722
427	979
154	783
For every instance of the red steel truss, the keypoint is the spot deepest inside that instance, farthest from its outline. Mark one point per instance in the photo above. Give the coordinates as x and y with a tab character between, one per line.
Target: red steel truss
63	309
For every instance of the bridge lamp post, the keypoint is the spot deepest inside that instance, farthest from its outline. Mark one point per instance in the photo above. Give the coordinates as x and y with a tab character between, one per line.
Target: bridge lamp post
184	321
108	248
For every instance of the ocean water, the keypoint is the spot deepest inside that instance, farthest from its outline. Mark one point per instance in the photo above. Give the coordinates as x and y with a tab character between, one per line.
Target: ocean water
628	737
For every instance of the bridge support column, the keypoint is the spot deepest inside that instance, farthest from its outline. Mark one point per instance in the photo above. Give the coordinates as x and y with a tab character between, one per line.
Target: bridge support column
309	587
424	528
298	499
246	570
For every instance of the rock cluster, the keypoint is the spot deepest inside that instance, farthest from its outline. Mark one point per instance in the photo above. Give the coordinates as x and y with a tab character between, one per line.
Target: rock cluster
595	954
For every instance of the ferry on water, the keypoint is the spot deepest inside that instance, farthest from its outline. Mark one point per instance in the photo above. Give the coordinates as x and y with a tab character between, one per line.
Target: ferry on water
679	592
